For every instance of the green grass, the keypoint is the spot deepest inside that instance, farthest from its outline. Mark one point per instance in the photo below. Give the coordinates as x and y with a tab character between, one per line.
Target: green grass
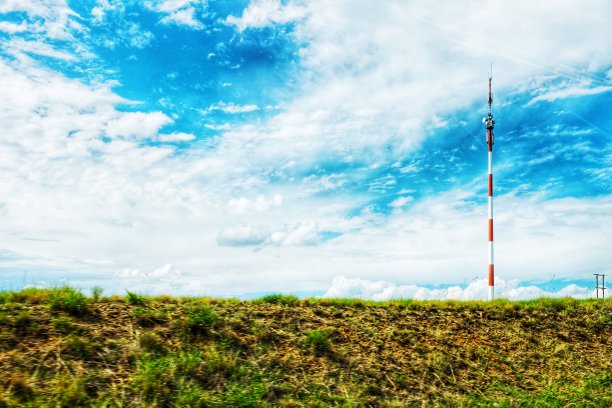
135	299
278	299
186	378
96	294
593	391
60	348
318	339
69	300
201	319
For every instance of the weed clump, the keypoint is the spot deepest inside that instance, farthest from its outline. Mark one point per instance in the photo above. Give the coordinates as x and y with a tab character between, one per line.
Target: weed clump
201	319
33	296
278	299
173	380
69	300
318	340
135	299
96	294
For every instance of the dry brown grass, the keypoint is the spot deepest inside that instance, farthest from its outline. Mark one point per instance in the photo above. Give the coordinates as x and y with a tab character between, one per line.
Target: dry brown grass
305	353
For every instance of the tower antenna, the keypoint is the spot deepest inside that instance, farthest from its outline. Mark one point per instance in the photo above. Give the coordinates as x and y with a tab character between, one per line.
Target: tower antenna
489	125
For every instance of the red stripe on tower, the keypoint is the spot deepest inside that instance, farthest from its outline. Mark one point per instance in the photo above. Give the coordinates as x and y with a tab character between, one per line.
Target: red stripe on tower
490	124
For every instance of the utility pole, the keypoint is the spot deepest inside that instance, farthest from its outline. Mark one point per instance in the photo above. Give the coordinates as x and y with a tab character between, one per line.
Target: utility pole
490	124
601	288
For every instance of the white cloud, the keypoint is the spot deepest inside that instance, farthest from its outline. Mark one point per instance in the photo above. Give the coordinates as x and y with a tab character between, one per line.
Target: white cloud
223	126
243	235
260	204
332	181
183	17
262	13
166	272
56	18
400	202
134	36
13	28
232	108
104	6
290	235
569	93
370	83
178	12
137	125
343	287
176	137
126	32
296	235
19	46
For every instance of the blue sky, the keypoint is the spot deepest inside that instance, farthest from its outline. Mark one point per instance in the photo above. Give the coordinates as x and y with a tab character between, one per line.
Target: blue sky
233	148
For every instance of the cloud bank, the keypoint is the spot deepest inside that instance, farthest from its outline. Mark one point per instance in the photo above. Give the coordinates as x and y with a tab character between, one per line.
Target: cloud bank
356	288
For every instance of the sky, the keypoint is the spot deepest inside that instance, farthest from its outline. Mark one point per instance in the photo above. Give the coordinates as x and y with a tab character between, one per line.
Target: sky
319	148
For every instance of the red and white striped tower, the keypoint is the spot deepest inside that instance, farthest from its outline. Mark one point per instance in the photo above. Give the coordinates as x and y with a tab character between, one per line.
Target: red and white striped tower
489	124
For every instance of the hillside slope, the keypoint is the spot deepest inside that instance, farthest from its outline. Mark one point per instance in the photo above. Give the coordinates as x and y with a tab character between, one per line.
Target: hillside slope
59	348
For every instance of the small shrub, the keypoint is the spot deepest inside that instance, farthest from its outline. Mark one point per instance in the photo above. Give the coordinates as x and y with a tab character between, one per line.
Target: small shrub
69	300
278	299
200	319
96	293
318	340
32	296
154	380
135	299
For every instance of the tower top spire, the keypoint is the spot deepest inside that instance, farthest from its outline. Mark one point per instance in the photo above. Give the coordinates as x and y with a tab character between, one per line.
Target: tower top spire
489	121
490	91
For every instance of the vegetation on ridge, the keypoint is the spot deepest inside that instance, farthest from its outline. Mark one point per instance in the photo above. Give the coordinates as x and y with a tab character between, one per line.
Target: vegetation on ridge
61	348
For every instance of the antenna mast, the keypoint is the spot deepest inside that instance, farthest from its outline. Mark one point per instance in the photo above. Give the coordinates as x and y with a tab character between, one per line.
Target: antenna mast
490	124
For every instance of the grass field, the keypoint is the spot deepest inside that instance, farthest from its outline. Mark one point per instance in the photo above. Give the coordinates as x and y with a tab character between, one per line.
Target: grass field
59	348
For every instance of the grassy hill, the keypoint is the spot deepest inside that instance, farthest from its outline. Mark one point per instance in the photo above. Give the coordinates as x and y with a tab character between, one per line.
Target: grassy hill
60	348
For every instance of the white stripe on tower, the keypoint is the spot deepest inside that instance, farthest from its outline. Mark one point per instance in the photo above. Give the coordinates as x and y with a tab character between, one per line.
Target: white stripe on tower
490	124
